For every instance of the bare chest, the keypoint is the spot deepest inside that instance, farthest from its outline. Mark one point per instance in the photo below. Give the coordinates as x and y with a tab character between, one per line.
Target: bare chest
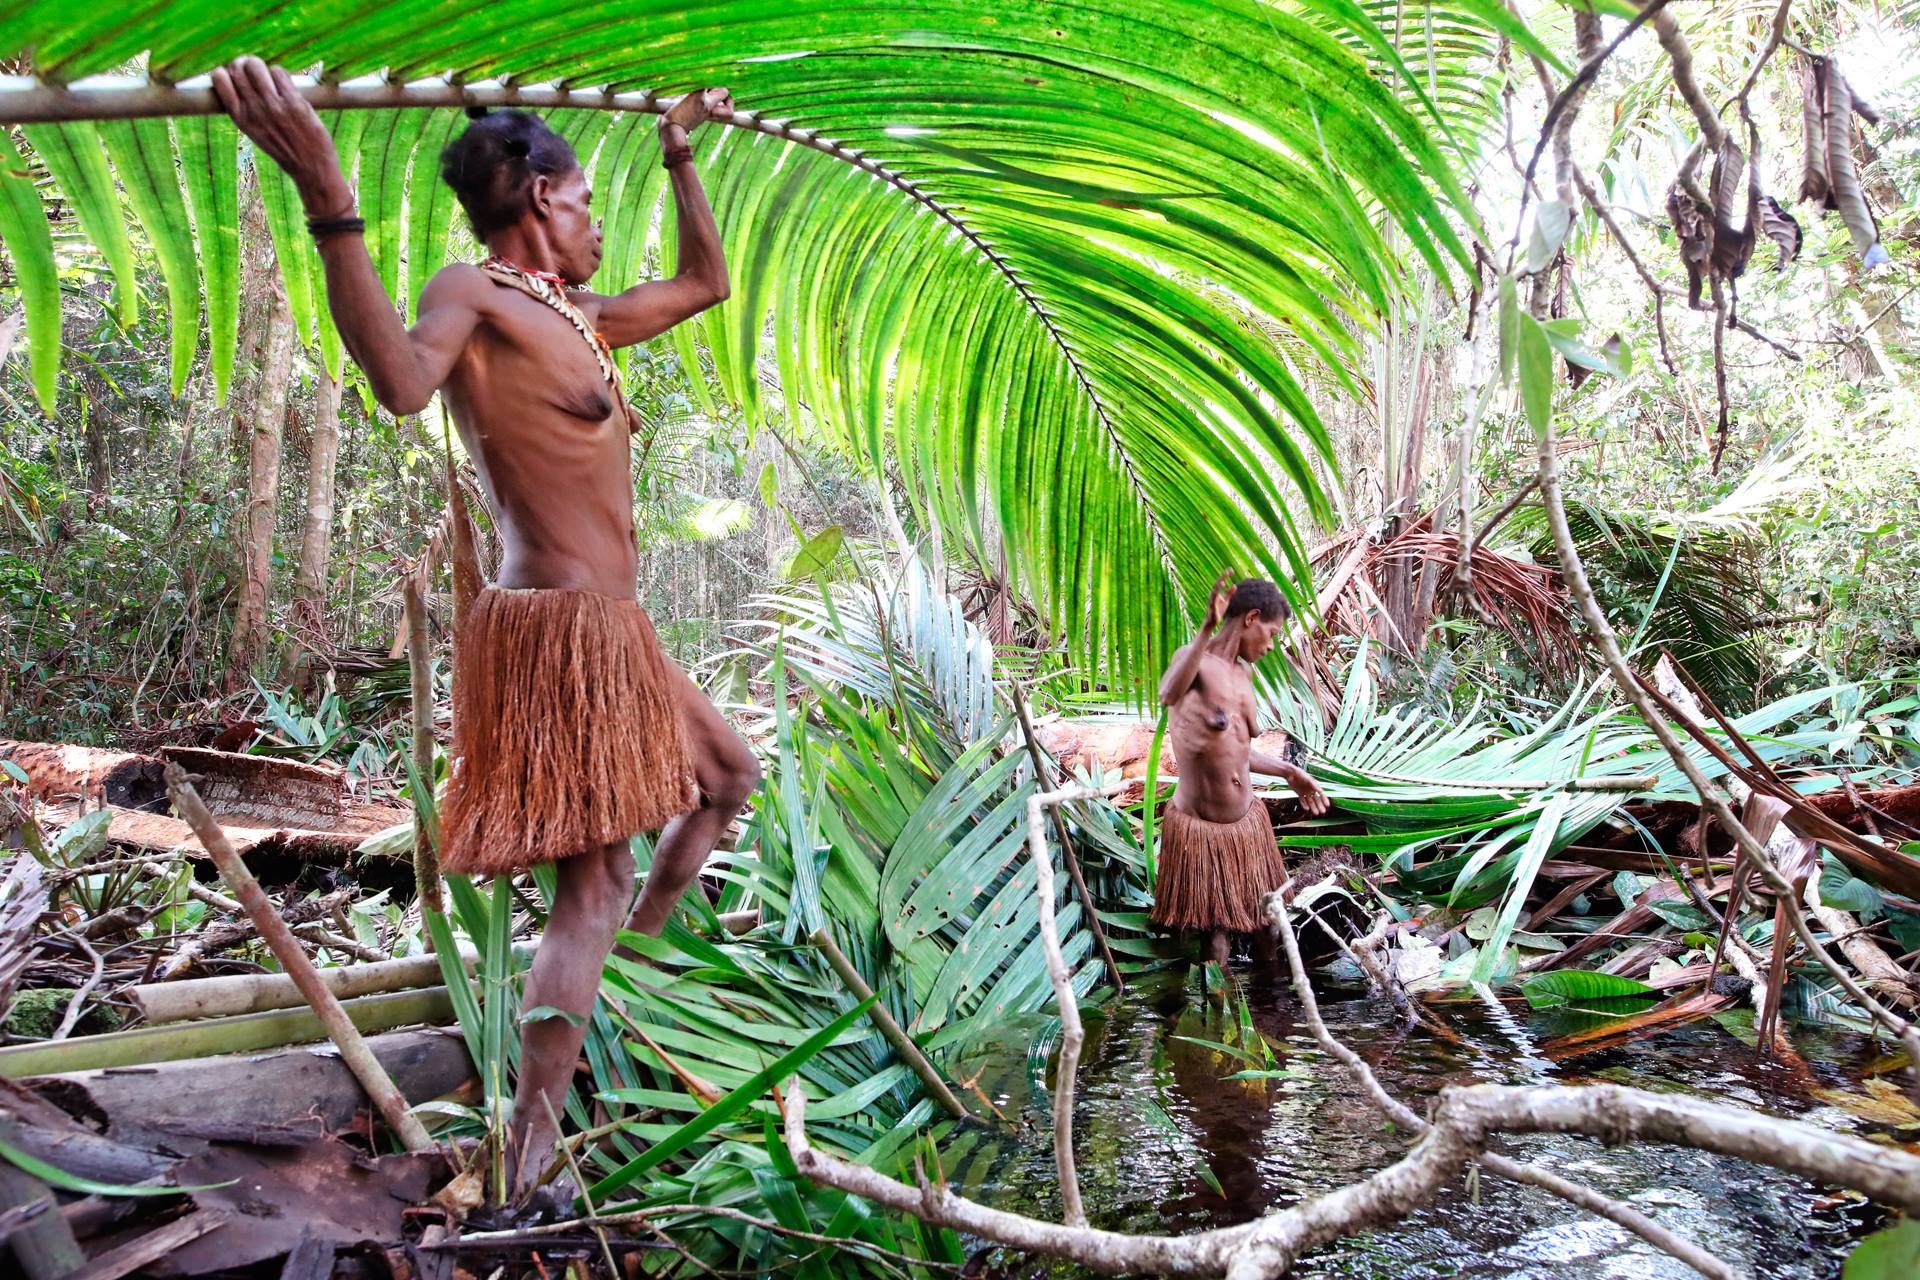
1218	706
528	352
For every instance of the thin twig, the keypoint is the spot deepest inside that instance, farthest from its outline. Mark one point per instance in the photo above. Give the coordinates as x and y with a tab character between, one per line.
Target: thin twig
340	1029
79	997
1072	1034
1570	96
890	1029
1774	39
426	844
1591	194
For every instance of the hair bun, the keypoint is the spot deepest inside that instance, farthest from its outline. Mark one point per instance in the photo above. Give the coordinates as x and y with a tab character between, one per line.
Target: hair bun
478	113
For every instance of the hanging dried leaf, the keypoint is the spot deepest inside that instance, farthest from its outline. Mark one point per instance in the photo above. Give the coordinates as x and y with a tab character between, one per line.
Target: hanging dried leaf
1842	178
1813	132
1694	229
1732	243
1780	226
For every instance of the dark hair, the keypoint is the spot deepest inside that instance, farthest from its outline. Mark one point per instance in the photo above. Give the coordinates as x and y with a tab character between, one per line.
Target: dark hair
1258	593
491	165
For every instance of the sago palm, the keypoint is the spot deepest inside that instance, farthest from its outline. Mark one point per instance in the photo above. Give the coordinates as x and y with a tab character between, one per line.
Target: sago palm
1011	244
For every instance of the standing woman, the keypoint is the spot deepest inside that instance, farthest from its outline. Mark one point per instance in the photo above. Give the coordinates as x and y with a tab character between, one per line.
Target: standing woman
572	730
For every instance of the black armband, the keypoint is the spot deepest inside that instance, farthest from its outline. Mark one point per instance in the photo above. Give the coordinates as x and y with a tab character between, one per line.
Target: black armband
321	228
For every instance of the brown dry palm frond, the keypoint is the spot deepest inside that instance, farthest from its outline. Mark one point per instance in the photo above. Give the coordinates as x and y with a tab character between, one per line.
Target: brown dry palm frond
1521	599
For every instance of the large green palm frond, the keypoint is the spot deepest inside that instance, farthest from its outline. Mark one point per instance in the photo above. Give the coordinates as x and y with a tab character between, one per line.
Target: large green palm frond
993	239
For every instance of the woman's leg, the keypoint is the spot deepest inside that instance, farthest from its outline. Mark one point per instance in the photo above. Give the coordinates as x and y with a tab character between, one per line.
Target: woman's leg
727	772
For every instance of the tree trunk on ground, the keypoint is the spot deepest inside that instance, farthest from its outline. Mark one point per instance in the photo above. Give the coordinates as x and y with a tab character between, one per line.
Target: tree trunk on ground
316	535
263	484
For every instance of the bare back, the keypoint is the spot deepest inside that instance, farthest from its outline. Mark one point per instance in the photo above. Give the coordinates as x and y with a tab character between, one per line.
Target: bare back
1212	727
549	441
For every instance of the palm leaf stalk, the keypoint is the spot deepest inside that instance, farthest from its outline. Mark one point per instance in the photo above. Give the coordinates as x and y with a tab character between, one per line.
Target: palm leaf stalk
1006	250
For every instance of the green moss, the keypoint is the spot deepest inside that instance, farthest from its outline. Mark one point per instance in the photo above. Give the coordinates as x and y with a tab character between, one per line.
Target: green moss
36	1015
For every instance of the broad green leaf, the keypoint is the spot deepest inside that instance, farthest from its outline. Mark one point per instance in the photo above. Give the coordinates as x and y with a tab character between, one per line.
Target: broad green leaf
1535	365
816	553
84	839
1892	1253
209	163
1509	328
23	228
142	156
77	160
1565	986
1550	222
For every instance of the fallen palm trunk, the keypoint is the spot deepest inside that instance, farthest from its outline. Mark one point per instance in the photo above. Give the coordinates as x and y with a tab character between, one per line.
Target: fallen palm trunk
248	1033
289	1088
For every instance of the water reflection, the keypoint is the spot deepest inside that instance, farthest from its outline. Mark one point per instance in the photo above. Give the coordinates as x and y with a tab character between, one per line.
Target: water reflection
1167	1143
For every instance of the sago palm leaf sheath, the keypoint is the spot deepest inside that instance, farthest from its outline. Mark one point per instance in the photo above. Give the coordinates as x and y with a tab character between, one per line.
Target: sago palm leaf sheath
1014	246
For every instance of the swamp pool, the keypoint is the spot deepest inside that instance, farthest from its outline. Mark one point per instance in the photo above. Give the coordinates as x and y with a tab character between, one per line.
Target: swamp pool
1167	1144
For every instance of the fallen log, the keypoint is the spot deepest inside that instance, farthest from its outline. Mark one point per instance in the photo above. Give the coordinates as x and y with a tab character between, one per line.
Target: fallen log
263	801
58	771
241	993
284	1090
249	1033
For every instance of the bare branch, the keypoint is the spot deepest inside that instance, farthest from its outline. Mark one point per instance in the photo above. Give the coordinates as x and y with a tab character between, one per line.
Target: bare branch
1600	207
1072	1034
1587	1198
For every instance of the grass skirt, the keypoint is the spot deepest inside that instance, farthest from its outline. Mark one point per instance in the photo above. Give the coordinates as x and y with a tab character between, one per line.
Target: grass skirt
566	734
1213	875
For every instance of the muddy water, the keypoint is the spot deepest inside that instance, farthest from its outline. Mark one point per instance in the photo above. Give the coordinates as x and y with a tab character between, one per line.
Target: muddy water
1167	1145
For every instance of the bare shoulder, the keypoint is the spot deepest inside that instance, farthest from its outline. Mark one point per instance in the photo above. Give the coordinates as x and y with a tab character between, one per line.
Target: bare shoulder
458	284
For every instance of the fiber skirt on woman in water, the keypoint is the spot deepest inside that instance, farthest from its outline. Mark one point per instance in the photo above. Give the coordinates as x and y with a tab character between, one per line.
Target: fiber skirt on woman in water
1214	875
566	734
